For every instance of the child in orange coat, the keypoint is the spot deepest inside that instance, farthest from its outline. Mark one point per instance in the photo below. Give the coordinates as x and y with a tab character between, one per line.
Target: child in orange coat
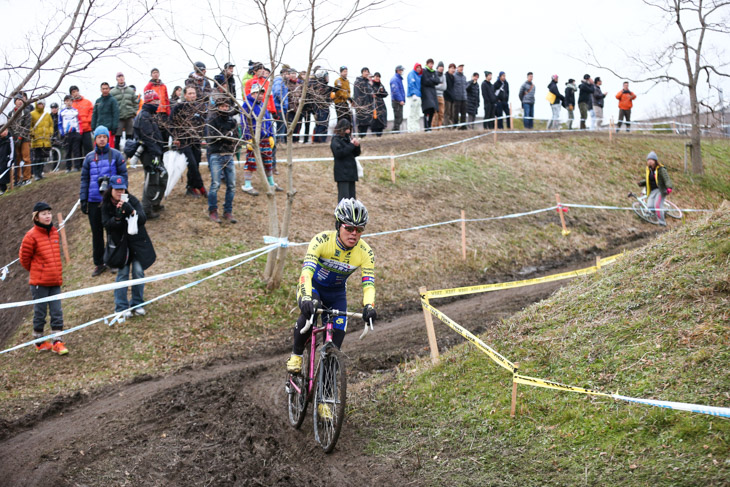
40	254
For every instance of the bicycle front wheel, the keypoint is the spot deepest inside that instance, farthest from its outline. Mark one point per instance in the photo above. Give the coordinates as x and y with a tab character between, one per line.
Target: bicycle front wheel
297	389
643	212
673	210
329	399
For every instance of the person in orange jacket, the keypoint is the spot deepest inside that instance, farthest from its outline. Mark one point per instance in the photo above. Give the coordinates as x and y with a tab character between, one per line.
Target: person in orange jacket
86	113
260	79
40	254
160	88
625	98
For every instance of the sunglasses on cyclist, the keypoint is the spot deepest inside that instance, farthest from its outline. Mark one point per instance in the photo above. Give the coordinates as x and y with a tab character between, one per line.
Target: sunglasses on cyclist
353	229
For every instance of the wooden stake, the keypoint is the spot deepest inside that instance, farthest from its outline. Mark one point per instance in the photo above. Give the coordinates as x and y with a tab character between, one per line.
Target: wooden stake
495	131
598	263
392	168
610	131
430	330
62	232
514	392
562	217
463	235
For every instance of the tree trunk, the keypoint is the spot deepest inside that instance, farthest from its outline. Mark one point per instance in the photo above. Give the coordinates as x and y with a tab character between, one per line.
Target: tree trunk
273	211
275	281
695	134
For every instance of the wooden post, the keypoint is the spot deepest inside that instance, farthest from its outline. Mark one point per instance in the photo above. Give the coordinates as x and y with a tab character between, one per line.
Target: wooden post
495	130
463	235
392	168
598	263
610	131
514	392
510	117
562	217
430	330
62	232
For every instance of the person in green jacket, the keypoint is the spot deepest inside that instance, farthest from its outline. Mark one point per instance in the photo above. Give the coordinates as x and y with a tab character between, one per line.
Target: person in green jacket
106	112
658	186
128	103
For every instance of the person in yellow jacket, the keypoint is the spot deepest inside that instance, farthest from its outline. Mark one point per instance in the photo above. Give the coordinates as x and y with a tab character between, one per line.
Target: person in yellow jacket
41	131
341	96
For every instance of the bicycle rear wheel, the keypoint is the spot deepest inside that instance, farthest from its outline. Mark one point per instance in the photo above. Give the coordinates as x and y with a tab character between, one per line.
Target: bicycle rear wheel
643	213
55	159
330	398
672	210
298	391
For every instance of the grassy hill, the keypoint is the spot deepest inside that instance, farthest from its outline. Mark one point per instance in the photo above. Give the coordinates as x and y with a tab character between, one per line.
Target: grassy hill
231	313
653	325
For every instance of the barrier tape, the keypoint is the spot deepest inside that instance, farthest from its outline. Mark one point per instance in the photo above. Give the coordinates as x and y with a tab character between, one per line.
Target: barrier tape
491	353
548	384
598	207
679	406
134	282
460	291
117	315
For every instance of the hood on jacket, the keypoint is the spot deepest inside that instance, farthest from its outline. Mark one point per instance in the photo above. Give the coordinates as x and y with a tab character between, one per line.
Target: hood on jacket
418	68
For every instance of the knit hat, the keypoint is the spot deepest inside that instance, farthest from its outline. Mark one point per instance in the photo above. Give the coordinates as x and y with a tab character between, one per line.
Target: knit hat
500	74
120	74
586	76
555	77
118	182
101	130
440	64
342	68
570	80
652	156
150	95
597	80
487	73
41	206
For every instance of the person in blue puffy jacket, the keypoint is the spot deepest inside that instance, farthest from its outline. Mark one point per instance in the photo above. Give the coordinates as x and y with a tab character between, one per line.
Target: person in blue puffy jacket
99	166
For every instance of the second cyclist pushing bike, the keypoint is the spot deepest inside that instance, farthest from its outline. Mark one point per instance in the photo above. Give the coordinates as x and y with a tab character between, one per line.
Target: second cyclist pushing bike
658	186
331	257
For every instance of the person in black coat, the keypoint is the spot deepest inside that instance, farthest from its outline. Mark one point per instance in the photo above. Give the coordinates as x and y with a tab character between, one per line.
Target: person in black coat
501	91
569	103
429	100
472	100
490	100
380	115
116	207
345	151
585	99
147	132
364	102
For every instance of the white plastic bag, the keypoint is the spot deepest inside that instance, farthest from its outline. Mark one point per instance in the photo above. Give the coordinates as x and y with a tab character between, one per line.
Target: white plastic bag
175	163
132	227
360	172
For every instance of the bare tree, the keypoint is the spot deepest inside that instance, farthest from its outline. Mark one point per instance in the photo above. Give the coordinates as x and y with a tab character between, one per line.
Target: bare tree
71	40
696	22
284	25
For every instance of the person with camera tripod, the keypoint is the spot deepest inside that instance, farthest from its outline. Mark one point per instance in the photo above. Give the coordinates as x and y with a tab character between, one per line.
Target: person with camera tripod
147	132
99	166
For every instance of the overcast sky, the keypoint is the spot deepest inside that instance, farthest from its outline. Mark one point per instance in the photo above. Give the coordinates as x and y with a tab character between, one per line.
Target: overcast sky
516	37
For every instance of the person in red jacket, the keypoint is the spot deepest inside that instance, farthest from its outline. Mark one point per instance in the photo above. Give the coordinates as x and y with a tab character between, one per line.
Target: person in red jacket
160	88
625	99
260	79
86	113
40	254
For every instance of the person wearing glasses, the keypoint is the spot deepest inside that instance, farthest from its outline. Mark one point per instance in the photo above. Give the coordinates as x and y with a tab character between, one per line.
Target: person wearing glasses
332	256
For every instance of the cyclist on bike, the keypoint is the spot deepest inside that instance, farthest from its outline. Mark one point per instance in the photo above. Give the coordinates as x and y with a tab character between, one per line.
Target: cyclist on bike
331	257
658	186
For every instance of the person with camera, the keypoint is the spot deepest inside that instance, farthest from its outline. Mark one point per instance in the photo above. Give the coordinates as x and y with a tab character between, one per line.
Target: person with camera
99	166
124	219
147	132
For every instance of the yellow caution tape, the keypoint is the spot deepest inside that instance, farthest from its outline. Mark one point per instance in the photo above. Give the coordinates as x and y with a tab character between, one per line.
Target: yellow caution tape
459	291
494	355
533	381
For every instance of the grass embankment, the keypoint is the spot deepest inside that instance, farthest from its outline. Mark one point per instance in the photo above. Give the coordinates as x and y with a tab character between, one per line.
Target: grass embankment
226	314
653	325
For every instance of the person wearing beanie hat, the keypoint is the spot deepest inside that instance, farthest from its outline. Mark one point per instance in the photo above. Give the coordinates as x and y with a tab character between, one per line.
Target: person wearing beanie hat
414	97
570	90
490	101
472	100
127	252
98	167
501	91
86	110
585	99
438	116
20	131
106	112
147	131
657	185
398	97
40	254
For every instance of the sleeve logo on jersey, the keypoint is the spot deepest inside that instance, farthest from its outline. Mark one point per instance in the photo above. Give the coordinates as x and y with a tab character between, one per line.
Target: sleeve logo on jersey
340	320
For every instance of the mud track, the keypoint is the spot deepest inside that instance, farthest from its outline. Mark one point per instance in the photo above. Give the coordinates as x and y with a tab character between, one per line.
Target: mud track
225	423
